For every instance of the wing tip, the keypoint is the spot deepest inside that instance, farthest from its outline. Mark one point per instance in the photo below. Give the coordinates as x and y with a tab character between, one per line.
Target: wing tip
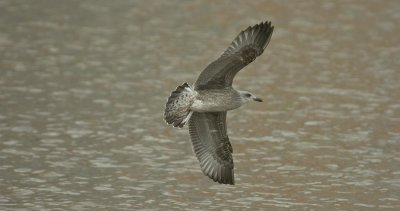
217	172
257	35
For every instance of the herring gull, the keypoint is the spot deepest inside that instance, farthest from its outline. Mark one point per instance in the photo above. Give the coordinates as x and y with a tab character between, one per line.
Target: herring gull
205	104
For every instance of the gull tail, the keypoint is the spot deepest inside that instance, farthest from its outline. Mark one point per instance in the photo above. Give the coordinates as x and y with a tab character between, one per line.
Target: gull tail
177	110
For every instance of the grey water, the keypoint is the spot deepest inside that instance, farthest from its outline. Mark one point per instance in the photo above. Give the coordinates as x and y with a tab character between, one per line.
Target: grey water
83	86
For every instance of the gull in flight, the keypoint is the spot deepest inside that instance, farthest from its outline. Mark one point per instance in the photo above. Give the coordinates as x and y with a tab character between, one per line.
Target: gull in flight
205	104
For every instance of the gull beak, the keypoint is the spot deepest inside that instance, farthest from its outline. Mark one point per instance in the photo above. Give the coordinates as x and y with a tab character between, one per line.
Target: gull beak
257	99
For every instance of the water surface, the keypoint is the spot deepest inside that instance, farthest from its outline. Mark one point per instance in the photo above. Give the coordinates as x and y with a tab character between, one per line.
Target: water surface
83	87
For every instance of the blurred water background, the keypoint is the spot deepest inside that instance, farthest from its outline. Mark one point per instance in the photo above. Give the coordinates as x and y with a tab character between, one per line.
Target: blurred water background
83	86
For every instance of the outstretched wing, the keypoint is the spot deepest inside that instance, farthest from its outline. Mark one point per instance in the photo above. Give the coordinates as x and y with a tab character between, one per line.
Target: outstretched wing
244	49
211	145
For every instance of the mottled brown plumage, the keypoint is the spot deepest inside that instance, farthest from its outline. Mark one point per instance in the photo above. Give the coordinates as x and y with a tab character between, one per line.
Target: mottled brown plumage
206	103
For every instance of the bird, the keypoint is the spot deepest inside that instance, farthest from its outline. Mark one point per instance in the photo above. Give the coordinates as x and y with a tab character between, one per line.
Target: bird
204	104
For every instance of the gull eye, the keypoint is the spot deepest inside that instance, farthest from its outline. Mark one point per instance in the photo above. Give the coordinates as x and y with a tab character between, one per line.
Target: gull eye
247	95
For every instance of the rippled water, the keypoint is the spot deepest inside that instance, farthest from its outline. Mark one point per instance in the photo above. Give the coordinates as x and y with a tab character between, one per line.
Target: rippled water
83	87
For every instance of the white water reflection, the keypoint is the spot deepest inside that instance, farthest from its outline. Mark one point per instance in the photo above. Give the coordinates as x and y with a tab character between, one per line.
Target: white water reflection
83	87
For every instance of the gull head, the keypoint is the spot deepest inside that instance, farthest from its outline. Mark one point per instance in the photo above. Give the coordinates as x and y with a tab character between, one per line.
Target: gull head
246	96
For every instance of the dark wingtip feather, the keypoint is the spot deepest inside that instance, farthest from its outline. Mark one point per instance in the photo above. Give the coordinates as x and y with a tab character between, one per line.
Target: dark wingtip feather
217	172
255	37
